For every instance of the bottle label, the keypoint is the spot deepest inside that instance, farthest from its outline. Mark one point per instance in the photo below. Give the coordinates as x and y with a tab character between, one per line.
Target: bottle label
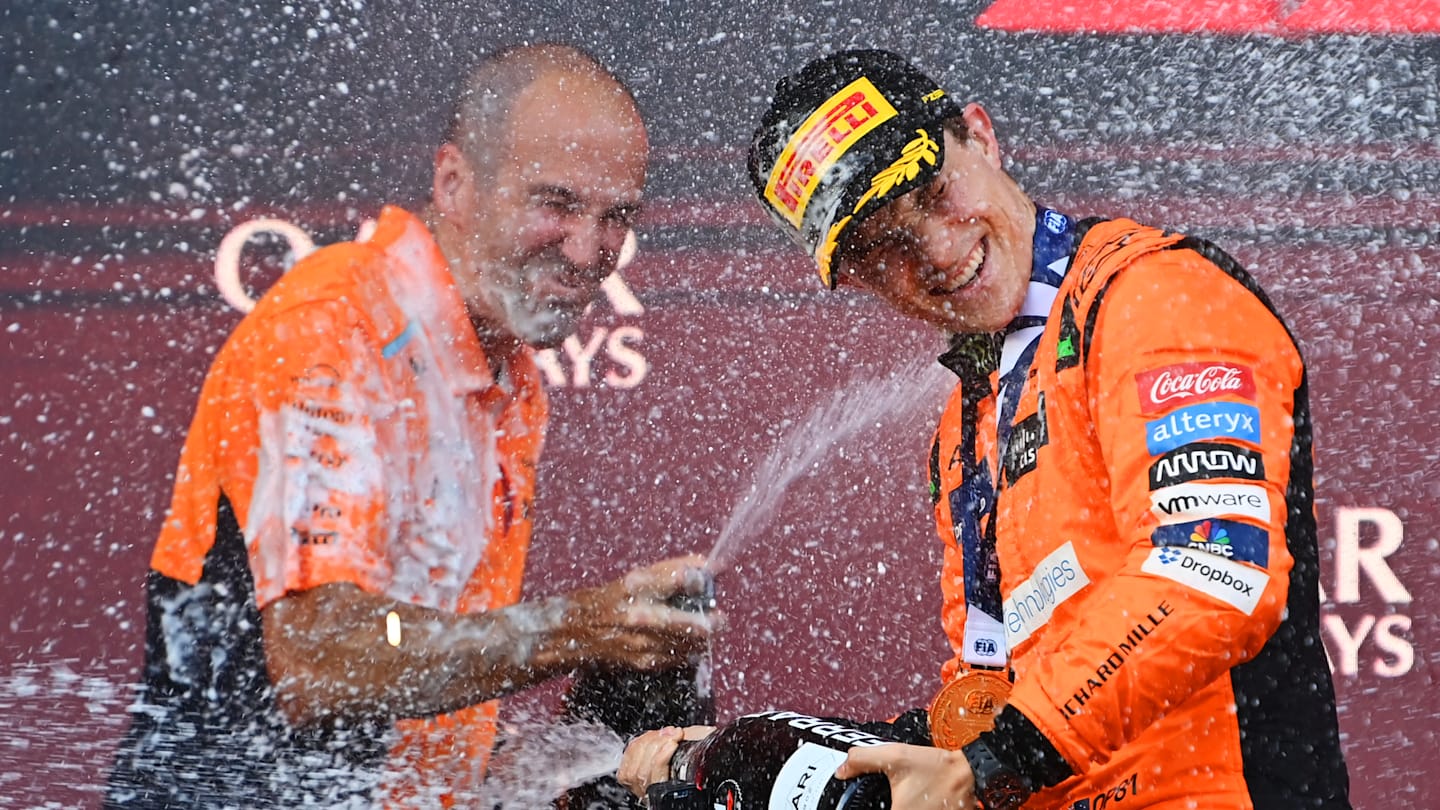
804	776
830	732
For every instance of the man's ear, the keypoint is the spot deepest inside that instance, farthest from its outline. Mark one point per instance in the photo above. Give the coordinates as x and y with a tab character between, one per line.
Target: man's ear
977	123
452	189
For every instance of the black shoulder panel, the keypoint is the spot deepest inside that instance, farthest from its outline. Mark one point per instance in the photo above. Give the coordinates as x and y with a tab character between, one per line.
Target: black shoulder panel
206	731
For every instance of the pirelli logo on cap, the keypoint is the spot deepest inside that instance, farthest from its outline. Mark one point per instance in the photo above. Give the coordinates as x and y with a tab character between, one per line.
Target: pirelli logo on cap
821	140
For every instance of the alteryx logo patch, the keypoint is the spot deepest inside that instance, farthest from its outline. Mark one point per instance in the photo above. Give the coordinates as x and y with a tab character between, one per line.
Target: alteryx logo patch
1222	538
1211	420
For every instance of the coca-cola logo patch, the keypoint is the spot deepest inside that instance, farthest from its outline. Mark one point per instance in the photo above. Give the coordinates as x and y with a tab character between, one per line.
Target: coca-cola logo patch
1183	383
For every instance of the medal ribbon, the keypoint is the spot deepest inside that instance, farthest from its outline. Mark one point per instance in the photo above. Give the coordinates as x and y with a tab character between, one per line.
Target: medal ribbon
984	643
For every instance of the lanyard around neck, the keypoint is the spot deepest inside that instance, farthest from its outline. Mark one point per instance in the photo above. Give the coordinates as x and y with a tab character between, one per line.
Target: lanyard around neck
972	504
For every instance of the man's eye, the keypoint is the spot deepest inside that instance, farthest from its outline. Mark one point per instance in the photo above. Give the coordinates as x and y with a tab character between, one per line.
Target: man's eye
619	219
893	239
930	193
559	205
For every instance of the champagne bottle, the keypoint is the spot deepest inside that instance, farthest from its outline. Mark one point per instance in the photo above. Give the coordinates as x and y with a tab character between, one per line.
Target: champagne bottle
630	702
771	760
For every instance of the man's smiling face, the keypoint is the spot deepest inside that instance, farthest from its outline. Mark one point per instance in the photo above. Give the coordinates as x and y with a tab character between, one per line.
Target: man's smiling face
540	236
954	253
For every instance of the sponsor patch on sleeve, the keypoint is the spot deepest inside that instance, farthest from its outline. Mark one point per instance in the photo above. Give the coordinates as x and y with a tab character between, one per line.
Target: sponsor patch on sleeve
1230	582
1203	461
1222	538
1210	420
1167	387
1187	502
321	448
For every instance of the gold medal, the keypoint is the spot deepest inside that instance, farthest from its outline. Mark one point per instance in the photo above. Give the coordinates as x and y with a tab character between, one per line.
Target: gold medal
967	706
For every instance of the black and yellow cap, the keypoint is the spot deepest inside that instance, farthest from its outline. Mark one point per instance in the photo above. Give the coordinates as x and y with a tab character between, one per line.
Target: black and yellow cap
847	134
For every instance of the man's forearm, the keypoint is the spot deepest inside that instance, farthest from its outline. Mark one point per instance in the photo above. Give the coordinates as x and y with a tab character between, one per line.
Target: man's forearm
338	651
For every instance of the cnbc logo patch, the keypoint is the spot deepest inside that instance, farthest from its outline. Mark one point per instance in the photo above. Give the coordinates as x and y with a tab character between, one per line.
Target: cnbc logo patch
1212	538
1229	539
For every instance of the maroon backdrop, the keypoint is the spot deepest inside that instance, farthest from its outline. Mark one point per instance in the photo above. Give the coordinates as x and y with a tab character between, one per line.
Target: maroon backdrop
1323	176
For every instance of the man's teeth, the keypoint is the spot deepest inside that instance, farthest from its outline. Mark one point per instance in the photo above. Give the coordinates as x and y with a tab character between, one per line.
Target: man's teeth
967	273
945	284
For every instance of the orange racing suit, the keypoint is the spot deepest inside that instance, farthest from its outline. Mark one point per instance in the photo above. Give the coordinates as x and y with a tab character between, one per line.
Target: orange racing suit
348	431
1154	525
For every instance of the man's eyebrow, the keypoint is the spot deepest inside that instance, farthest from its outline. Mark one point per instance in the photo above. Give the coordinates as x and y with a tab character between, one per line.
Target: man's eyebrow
567	195
562	192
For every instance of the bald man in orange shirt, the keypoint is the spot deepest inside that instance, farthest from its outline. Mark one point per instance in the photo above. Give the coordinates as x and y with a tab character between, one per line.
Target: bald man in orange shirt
334	597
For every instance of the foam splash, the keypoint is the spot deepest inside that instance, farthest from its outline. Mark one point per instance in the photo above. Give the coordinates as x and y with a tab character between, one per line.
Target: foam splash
893	399
537	762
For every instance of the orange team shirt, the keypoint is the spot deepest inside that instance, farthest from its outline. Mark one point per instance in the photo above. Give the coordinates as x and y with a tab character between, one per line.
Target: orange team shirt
354	425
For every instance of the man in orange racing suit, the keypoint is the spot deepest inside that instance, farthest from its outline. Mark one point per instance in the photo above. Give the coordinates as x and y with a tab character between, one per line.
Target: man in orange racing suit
1121	477
334	596
1129	444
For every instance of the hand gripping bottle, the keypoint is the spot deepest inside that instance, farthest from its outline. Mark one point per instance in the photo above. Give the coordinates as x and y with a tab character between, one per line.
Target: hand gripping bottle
631	702
771	761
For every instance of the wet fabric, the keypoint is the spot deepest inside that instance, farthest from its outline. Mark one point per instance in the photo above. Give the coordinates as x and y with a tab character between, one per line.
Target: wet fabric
1155	531
349	431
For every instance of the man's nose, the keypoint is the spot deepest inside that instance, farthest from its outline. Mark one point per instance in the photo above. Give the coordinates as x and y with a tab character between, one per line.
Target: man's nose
590	245
937	241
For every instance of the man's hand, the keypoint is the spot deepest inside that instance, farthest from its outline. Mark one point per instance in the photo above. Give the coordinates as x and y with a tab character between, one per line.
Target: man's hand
629	624
329	653
921	778
647	757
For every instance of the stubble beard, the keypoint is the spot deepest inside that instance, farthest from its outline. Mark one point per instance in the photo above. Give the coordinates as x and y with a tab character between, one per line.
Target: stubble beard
530	316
